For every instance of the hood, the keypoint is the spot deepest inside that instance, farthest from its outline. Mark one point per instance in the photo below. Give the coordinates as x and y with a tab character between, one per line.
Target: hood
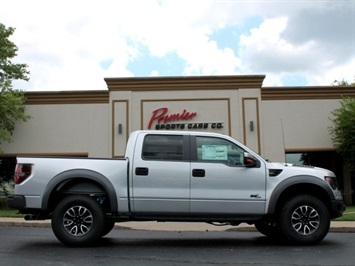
276	169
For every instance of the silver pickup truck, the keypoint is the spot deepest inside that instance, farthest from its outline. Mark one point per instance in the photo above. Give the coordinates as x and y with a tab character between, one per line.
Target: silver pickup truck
177	176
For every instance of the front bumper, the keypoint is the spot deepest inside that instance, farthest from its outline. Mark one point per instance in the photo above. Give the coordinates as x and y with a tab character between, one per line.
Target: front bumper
338	207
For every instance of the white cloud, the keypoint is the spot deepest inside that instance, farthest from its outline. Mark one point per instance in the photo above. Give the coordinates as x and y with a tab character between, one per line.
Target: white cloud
265	51
271	49
340	72
72	45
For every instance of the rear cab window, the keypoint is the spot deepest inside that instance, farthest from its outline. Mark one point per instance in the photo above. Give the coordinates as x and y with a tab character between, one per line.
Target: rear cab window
163	148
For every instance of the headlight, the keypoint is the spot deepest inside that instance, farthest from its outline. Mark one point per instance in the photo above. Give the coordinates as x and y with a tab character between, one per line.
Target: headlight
332	181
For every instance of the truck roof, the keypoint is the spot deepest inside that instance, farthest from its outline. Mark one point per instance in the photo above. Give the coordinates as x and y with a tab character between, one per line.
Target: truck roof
180	132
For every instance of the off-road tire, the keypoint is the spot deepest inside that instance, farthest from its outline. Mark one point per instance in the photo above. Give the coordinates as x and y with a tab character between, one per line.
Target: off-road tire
304	219
78	220
108	226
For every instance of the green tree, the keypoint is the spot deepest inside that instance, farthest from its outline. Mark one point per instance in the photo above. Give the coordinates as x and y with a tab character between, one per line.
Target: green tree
12	101
343	130
343	82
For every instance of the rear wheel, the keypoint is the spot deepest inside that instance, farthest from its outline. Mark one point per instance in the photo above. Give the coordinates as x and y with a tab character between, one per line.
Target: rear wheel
304	220
78	221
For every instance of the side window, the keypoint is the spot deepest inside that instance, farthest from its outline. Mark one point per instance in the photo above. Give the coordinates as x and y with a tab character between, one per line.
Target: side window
219	150
163	148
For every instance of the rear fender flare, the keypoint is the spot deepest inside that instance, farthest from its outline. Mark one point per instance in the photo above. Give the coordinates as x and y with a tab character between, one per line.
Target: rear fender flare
84	174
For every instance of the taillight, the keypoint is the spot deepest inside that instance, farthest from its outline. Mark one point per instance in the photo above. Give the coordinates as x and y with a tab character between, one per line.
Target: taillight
22	171
332	181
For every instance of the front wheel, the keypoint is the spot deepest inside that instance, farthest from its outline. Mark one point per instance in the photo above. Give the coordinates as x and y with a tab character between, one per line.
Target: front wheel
108	226
304	220
78	221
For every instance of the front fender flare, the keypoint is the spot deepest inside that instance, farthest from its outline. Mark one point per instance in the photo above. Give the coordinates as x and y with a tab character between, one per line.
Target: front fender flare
296	180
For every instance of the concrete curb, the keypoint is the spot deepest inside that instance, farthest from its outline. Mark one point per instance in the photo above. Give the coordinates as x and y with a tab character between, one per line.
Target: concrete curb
343	227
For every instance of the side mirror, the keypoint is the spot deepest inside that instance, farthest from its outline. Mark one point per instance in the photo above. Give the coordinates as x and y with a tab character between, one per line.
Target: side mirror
250	160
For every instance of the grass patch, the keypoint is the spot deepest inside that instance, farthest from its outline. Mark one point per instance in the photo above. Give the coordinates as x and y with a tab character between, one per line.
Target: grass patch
5	211
10	213
348	215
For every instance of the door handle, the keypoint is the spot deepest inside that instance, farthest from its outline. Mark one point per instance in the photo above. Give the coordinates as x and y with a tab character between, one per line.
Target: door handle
142	171
198	173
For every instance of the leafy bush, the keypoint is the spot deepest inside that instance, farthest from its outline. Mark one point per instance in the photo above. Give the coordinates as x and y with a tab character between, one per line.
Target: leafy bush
6	188
343	131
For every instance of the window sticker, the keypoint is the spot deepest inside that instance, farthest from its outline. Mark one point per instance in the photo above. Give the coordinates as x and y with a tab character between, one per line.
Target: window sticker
214	152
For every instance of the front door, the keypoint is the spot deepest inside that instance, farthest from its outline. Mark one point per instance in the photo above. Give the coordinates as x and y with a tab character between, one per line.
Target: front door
220	183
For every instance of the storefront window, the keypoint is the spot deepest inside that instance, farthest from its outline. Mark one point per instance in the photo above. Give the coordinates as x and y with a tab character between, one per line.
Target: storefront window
7	168
325	159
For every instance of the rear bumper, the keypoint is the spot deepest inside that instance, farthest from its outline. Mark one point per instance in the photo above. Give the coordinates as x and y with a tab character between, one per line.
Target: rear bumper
338	208
17	202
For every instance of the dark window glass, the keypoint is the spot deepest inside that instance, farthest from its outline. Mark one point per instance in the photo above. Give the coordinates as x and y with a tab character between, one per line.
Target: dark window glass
163	148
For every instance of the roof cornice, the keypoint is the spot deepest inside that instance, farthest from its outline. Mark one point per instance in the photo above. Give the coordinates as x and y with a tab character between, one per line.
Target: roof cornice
307	93
67	97
185	83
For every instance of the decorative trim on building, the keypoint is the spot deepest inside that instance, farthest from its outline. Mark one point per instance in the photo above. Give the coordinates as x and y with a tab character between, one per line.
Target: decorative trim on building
302	150
143	101
125	126
257	122
307	93
185	83
46	154
67	97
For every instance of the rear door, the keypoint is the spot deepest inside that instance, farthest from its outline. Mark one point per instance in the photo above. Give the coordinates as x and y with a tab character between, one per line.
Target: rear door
161	174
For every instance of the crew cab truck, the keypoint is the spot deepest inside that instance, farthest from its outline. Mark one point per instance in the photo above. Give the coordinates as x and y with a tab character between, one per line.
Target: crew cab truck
177	176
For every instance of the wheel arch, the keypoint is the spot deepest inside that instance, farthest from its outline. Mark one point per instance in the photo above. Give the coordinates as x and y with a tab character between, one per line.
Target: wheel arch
298	185
79	181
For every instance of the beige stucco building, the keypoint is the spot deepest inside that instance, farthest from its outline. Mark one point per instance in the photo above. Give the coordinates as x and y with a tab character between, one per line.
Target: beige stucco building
279	123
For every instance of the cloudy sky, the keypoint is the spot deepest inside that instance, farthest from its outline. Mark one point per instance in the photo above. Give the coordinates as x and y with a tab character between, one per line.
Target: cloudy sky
74	44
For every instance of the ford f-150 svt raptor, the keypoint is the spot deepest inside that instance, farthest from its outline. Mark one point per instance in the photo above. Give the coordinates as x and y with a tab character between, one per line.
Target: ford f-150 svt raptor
177	176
